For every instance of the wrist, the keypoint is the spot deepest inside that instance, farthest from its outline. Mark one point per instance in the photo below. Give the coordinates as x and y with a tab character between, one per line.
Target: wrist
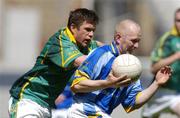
156	84
107	83
176	57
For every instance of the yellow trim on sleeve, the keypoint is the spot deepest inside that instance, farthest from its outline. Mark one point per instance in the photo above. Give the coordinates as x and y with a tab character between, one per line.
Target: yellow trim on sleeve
79	75
25	85
97	115
129	109
76	81
138	95
72	56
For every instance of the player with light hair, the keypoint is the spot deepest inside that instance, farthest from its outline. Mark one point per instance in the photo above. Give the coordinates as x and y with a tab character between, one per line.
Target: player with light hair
93	96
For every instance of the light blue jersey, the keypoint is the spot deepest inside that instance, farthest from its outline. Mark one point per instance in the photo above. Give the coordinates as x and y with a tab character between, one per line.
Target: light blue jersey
97	66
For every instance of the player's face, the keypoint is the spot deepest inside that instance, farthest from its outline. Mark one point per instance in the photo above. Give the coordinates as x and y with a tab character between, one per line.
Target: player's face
129	42
84	34
177	21
132	42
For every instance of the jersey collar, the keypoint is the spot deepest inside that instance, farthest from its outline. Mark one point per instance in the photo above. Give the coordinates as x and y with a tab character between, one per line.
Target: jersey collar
70	35
114	48
174	31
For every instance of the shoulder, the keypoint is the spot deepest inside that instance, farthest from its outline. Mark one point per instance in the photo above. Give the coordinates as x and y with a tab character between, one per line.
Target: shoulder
101	52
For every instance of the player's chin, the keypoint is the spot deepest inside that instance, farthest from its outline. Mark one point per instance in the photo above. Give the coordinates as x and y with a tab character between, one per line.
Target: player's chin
130	51
85	44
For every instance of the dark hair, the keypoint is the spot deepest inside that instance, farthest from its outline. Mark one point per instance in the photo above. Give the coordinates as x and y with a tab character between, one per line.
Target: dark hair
78	16
178	10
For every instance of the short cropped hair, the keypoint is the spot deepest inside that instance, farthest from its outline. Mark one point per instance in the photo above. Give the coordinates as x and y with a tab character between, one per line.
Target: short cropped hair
78	16
178	10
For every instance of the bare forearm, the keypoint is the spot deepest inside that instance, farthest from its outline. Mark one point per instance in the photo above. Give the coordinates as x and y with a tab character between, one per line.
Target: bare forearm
163	62
89	86
146	94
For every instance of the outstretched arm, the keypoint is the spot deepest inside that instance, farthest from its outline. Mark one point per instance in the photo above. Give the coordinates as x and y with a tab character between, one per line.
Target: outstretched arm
88	85
165	62
162	76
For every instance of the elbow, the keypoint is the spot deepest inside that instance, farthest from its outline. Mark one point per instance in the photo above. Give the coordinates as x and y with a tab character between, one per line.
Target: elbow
153	69
75	89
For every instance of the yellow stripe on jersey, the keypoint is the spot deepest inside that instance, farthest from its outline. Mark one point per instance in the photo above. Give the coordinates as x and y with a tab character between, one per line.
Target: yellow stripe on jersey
61	52
69	34
95	116
113	48
44	57
25	85
72	56
162	40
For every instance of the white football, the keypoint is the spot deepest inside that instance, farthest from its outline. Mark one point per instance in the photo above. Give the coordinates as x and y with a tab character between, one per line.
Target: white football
127	64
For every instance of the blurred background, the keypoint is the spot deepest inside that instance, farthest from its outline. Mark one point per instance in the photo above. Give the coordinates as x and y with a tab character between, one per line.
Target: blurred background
25	25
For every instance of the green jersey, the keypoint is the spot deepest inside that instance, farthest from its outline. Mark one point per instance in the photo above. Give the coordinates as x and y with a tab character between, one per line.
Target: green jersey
166	46
53	69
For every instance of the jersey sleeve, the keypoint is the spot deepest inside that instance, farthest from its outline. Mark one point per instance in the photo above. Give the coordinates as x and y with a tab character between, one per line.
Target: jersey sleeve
92	68
63	52
131	95
86	70
158	51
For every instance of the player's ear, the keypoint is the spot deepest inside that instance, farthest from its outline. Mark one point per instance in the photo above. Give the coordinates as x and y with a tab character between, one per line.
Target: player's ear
117	38
73	28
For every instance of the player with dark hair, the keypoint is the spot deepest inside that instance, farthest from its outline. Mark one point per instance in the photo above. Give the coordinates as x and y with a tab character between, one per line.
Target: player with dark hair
34	93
